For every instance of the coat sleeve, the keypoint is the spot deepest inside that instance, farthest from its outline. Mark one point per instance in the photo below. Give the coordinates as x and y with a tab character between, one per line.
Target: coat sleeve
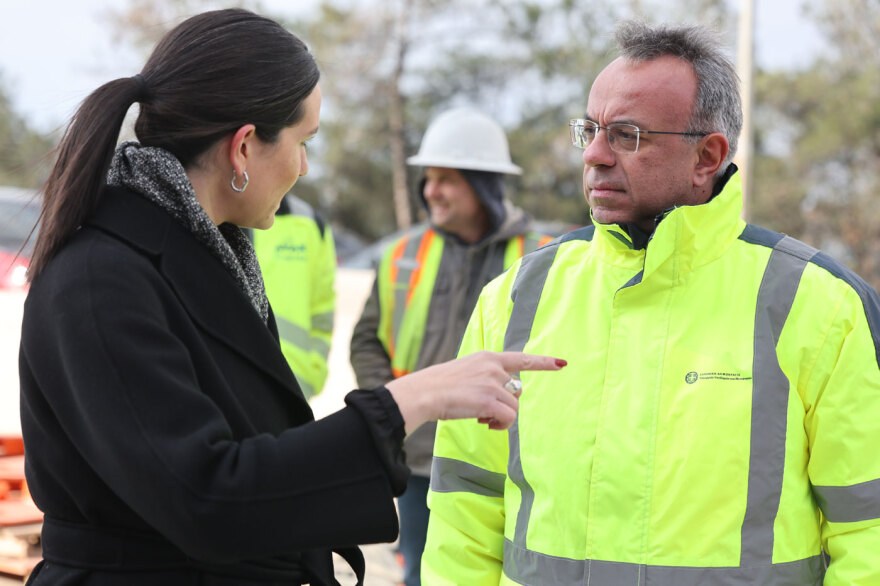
104	366
843	428
369	358
465	543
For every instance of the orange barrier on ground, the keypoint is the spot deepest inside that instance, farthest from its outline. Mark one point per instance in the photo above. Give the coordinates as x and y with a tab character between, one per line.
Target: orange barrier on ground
11	445
20	519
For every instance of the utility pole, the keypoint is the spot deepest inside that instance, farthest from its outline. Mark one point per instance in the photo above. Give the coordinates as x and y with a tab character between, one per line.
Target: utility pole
396	120
745	68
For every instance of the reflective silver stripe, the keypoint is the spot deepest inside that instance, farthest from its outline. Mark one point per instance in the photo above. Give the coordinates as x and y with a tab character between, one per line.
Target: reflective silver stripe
448	475
769	400
536	569
531	242
405	266
848	504
299	337
323	321
293	333
518	477
525	295
320	346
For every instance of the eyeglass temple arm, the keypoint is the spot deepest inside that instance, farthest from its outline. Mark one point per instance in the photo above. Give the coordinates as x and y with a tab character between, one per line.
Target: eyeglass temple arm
662	132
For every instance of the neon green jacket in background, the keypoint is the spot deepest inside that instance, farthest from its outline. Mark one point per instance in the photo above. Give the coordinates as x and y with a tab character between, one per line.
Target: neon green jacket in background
298	259
718	422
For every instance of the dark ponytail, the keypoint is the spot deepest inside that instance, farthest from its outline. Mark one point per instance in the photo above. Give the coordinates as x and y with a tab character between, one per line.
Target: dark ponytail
73	189
210	75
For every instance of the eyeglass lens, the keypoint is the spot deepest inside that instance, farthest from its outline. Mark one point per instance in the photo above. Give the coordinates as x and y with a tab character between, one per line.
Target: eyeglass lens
622	138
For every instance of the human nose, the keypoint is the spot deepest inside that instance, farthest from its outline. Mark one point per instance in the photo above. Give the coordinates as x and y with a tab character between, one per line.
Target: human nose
599	152
430	191
304	165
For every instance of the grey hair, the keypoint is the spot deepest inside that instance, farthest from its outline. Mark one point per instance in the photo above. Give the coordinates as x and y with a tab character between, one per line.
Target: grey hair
718	105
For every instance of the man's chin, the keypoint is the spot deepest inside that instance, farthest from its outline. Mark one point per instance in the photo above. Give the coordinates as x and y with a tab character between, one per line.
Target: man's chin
440	221
608	217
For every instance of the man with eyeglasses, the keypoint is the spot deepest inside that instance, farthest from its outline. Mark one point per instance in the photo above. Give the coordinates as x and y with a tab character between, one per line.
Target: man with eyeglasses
719	417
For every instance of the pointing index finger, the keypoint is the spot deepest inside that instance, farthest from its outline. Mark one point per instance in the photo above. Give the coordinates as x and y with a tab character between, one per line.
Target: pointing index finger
517	361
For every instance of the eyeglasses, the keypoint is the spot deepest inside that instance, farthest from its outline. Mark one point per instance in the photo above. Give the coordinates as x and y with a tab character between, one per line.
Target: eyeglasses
622	138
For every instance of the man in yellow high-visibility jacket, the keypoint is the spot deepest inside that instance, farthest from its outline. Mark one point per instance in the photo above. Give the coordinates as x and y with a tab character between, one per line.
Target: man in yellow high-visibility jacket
428	281
719	418
298	260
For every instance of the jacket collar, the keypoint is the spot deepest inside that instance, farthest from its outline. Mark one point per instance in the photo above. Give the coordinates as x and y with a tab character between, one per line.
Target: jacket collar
207	290
685	237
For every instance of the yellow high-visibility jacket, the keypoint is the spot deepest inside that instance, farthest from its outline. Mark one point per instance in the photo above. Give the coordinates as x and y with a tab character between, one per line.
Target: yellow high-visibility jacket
298	260
718	422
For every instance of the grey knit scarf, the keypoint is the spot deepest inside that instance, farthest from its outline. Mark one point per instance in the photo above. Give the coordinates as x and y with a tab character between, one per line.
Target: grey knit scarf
158	176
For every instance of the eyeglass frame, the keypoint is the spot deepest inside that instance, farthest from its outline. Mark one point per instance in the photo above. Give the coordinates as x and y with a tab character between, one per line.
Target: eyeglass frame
582	123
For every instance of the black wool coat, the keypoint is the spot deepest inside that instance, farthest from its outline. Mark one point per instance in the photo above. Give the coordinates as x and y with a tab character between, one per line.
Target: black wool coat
166	439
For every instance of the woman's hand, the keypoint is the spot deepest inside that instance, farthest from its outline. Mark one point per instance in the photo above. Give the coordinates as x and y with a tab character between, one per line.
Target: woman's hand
468	387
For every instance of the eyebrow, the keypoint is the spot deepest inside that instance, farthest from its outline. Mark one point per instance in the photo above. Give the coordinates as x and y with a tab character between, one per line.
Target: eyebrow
313	131
624	121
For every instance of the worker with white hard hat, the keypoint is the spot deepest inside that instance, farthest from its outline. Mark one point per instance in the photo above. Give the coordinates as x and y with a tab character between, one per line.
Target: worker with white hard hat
428	281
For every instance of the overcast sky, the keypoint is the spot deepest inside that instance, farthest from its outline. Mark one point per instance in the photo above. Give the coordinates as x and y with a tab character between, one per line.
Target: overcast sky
54	52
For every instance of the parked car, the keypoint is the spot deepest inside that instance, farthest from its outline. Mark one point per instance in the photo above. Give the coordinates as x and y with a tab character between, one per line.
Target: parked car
19	211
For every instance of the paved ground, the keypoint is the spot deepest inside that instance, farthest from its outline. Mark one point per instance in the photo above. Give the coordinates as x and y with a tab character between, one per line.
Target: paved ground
352	289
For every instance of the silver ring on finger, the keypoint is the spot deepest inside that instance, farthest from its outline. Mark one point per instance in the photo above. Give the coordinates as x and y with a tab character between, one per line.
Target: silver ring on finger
514	385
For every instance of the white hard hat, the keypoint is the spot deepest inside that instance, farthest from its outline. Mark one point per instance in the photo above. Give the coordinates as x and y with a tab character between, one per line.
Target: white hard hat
463	138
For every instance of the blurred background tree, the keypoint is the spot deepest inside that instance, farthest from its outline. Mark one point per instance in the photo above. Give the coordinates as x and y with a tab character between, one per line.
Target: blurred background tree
817	174
390	66
23	151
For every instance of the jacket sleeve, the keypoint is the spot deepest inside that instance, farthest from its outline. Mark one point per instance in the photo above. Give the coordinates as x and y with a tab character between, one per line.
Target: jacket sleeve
465	543
843	428
323	305
369	359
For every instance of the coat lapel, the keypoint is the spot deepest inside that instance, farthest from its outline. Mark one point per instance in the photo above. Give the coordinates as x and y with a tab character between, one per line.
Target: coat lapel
207	290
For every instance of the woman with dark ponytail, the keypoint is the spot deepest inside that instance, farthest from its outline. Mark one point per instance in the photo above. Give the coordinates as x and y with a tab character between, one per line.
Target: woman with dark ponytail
166	439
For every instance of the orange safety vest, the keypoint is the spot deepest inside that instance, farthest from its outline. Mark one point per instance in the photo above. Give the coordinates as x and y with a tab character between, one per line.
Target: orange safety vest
406	284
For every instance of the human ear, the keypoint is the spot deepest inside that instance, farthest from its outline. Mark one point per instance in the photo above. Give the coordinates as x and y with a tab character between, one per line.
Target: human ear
711	152
241	147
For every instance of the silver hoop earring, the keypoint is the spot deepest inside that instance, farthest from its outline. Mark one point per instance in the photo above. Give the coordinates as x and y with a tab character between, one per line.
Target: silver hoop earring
243	185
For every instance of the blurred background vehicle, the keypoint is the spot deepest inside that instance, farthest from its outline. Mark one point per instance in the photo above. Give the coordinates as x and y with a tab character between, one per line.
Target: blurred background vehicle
19	210
19	518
